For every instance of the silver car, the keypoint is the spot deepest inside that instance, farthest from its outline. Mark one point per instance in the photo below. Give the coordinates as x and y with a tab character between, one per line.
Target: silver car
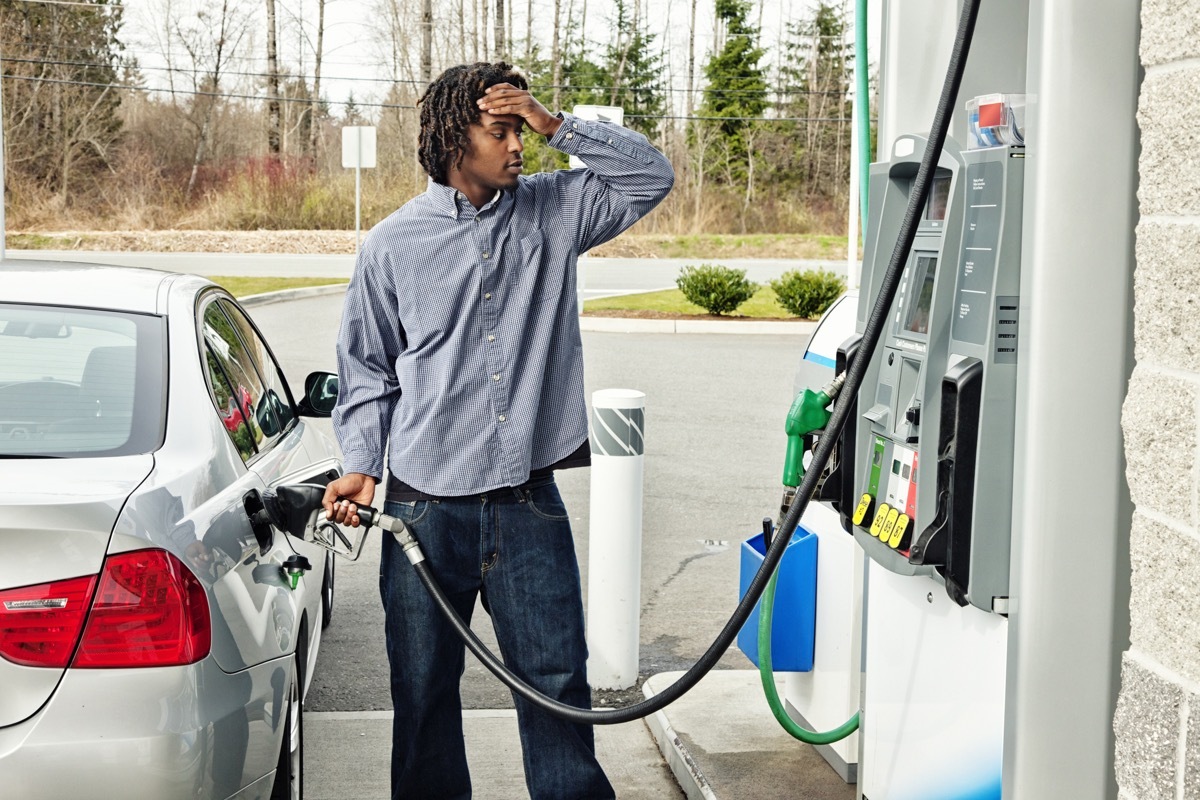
157	633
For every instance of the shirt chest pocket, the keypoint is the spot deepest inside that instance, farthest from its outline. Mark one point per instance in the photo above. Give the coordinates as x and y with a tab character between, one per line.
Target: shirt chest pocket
534	277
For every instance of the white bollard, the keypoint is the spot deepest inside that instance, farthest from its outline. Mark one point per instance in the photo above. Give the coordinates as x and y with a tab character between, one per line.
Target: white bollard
615	537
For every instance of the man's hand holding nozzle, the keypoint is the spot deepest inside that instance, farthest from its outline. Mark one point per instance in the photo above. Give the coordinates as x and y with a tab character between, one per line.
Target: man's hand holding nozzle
344	495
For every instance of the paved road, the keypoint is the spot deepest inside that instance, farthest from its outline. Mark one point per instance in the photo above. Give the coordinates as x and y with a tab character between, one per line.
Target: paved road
602	277
714	448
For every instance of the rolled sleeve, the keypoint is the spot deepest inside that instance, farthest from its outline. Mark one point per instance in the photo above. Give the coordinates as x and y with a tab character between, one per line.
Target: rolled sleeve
626	177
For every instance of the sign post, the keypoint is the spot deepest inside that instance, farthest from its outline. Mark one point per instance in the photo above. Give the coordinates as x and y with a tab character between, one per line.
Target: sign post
358	151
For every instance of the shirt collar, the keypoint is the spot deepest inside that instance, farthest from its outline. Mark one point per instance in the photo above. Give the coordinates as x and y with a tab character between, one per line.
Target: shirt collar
448	200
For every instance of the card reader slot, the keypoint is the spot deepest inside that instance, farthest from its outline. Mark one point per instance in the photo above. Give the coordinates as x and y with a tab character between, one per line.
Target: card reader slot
946	542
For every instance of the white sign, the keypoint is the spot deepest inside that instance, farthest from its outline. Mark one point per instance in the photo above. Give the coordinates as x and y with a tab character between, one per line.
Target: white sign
358	146
613	114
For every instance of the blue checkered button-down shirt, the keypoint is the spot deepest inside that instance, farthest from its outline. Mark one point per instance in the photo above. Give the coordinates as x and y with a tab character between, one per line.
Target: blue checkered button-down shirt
460	338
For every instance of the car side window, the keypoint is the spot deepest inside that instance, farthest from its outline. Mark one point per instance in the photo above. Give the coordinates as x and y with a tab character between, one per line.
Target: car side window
248	394
228	408
276	388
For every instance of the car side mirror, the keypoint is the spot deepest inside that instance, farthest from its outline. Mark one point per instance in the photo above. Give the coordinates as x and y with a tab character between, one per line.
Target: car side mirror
320	394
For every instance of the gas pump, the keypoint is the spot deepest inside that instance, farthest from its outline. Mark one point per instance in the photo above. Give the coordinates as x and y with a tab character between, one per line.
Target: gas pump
933	477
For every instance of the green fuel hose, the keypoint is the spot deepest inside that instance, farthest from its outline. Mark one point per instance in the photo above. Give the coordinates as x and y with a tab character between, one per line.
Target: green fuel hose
863	102
765	610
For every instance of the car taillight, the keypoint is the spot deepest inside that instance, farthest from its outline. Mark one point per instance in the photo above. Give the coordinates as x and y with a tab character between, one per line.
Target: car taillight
149	611
39	625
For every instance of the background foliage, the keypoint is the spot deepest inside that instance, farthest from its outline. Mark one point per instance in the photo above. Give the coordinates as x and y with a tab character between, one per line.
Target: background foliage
760	144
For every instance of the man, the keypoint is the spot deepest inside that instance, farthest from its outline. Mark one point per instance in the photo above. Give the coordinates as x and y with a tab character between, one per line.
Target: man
460	354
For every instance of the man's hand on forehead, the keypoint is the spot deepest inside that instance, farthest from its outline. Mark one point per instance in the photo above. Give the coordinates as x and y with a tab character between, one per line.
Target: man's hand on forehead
506	99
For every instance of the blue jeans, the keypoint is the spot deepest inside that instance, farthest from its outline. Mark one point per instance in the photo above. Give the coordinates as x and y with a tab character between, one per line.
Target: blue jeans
514	548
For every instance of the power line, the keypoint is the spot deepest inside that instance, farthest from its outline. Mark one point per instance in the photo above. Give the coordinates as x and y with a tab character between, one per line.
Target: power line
308	101
73	3
194	92
306	78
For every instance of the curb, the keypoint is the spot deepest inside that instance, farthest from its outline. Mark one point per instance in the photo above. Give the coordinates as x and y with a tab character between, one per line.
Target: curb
683	766
282	295
635	325
599	324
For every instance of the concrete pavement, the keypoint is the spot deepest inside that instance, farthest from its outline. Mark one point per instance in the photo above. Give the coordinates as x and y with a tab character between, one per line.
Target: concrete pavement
718	742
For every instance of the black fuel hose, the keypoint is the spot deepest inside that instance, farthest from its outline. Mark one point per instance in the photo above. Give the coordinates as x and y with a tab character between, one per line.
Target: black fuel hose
838	420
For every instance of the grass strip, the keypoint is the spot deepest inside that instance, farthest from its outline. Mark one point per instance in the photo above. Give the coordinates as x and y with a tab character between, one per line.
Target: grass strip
240	286
762	305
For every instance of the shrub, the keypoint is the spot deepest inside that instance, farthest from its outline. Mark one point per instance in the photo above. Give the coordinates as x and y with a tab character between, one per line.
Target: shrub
807	294
716	289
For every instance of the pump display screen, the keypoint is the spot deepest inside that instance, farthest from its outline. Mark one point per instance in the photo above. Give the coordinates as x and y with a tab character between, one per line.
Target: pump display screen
916	320
939	196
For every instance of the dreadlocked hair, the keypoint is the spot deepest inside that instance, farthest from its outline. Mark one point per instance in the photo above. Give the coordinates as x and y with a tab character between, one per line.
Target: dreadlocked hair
448	109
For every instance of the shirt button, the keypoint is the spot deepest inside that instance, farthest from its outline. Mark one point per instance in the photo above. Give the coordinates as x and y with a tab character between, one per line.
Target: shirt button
575	125
501	418
496	377
477	219
610	141
570	135
487	296
491	338
485	255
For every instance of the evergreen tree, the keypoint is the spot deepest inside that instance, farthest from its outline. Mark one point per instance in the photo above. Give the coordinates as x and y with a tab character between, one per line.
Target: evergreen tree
814	84
634	70
736	89
352	115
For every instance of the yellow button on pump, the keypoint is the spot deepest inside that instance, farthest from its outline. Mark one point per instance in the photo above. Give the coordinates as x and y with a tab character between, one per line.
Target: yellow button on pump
897	536
889	525
880	518
864	508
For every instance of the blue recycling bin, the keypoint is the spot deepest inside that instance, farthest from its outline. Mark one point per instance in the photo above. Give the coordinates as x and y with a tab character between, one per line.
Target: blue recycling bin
795	615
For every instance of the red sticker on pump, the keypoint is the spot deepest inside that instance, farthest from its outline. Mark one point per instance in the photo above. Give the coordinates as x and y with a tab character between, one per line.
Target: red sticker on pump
910	504
991	115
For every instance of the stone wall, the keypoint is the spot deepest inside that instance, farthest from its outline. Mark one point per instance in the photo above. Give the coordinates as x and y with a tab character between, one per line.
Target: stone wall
1158	713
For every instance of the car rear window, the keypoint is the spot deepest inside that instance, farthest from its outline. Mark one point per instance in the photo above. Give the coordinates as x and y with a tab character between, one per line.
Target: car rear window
78	383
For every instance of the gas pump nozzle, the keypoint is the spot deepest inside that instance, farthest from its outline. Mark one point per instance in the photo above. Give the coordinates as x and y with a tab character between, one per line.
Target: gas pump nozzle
808	415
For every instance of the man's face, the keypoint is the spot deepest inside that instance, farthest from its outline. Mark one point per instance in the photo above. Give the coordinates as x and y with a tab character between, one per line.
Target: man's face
493	157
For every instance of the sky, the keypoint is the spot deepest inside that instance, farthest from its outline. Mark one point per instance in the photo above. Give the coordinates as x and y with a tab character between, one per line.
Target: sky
354	60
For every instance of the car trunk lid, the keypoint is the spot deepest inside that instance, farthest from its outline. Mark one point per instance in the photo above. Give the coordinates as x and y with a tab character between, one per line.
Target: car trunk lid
57	522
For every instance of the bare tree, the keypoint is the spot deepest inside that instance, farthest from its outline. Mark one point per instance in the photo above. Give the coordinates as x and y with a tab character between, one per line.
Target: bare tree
273	121
529	33
211	39
314	126
691	83
556	56
501	50
483	31
62	117
426	41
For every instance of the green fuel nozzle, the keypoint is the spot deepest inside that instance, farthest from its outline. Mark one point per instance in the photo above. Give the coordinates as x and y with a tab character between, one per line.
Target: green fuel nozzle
809	414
